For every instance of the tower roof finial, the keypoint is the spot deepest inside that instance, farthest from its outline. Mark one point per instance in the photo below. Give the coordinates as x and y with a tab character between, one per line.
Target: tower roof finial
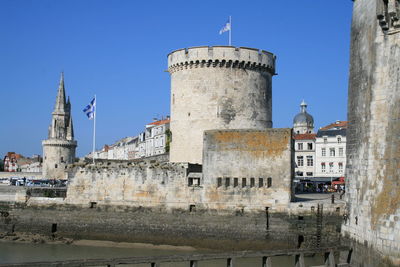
303	106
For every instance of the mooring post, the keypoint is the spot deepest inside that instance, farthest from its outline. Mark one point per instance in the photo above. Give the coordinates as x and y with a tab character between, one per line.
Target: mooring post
266	262
230	262
329	259
299	260
193	264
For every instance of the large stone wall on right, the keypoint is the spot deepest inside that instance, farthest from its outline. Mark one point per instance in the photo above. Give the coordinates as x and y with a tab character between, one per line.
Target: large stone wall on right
373	144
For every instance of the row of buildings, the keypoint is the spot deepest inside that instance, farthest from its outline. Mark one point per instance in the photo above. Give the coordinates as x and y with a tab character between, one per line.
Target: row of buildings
14	162
320	157
153	141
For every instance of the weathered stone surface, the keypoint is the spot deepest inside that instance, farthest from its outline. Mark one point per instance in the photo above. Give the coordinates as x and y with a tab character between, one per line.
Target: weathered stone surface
254	168
200	228
373	155
217	88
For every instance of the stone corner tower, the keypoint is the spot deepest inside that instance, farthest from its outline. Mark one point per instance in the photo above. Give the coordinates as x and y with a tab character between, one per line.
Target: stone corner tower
217	88
59	148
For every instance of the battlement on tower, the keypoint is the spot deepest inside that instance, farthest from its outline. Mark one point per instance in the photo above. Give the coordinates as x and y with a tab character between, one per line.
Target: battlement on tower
221	56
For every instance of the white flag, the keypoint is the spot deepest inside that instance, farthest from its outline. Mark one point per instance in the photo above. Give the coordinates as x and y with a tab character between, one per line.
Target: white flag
227	27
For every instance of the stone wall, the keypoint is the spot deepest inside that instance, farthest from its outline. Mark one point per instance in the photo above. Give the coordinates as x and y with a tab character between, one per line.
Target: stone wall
217	88
373	155
261	158
248	168
199	228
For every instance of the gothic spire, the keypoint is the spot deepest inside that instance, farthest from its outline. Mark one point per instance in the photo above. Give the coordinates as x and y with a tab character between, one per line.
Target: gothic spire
70	129
60	100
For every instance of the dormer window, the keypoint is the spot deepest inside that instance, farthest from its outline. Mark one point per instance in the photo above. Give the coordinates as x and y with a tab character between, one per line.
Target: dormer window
339	140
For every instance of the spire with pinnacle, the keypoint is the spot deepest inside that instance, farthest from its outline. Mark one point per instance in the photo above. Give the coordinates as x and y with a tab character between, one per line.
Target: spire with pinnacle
70	129
60	100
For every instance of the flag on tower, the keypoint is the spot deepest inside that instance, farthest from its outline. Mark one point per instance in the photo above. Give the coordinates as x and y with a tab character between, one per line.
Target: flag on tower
227	27
90	109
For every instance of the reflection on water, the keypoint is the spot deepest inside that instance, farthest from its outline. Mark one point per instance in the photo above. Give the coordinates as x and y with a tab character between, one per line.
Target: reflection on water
21	252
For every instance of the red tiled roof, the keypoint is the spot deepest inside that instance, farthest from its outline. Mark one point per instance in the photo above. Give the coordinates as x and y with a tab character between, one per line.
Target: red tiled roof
339	124
160	122
306	136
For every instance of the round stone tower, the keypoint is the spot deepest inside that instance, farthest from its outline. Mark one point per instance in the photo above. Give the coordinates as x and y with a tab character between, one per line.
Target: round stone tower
59	148
220	87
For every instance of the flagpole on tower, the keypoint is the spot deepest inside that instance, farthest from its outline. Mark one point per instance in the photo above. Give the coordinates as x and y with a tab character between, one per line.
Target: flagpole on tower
94	127
230	31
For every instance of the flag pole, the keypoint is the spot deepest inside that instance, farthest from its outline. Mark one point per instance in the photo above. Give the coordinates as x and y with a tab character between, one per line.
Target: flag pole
94	126
230	31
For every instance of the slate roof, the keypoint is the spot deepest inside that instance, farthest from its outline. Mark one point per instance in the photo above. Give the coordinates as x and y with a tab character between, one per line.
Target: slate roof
331	133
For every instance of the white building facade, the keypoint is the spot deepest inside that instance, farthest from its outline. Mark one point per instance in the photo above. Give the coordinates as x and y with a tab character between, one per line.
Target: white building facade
304	151
330	146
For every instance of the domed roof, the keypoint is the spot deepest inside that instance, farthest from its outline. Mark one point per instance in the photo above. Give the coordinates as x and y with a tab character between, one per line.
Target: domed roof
303	117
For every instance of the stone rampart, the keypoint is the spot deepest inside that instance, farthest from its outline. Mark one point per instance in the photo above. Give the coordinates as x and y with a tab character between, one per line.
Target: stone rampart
199	228
248	167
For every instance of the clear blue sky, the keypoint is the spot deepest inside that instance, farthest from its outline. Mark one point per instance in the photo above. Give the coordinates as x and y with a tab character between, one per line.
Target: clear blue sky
118	50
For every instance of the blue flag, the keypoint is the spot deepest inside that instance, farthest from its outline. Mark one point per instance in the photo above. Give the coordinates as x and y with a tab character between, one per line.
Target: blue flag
90	109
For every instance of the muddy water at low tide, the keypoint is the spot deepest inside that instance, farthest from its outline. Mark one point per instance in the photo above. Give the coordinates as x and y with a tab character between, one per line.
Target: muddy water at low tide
23	252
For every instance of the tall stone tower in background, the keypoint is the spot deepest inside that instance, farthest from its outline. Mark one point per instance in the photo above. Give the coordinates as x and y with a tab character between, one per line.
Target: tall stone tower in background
373	142
59	148
220	87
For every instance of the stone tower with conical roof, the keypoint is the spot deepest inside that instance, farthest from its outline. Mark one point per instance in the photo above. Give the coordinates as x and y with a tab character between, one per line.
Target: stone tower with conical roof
59	148
303	122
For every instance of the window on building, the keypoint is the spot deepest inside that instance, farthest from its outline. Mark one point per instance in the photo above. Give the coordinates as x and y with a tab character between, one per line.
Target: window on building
340	166
323	167
325	140
62	159
299	146
252	182
260	182
269	182
340	151
235	182
243	182
332	151
300	161
309	173
310	161
219	182
299	173
339	140
55	166
330	166
323	152
310	146
227	182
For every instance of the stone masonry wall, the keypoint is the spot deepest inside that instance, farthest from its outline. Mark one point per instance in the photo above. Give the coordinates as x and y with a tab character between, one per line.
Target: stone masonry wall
373	155
199	228
248	167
